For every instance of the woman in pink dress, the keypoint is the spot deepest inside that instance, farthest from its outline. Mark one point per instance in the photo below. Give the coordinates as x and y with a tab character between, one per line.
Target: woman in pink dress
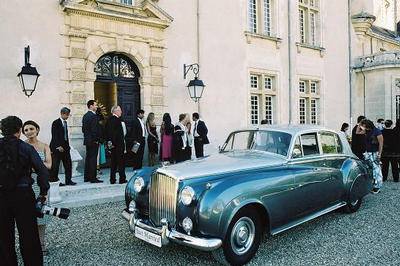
167	129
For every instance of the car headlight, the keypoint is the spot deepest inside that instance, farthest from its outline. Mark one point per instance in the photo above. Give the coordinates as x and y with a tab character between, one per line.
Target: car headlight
187	225
138	184
132	206
187	195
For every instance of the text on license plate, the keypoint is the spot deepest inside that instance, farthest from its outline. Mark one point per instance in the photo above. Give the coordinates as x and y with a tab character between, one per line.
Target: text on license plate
147	236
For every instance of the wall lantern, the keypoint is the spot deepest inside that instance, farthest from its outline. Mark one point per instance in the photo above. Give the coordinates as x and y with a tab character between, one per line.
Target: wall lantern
28	76
196	85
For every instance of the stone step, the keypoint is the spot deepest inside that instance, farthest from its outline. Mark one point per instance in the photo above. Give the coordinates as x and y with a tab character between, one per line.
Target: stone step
86	194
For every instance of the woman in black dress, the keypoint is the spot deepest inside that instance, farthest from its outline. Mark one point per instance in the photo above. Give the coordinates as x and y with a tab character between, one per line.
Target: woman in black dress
152	139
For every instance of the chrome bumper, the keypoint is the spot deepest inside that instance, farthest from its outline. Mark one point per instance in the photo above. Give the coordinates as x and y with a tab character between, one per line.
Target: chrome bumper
166	234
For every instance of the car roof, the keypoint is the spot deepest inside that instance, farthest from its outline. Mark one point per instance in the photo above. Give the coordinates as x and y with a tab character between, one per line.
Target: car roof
292	129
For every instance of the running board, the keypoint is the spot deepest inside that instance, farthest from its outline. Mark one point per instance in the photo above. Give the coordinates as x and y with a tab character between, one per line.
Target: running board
307	218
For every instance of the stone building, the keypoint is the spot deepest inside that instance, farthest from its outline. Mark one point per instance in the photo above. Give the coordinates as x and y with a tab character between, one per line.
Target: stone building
376	65
283	61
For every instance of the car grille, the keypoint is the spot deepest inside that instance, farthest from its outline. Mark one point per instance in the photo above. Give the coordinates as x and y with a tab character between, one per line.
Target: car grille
162	199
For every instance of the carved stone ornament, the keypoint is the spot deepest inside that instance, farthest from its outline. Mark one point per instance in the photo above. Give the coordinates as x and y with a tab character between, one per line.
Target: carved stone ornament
92	3
397	84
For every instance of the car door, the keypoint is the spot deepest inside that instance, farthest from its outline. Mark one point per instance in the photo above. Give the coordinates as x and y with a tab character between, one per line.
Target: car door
332	149
310	175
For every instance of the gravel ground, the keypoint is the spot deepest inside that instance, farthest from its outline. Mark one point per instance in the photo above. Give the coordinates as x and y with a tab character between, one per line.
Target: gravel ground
97	235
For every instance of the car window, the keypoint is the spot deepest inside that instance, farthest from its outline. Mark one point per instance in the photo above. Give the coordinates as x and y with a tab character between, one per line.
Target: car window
309	144
297	150
269	141
240	141
339	145
330	143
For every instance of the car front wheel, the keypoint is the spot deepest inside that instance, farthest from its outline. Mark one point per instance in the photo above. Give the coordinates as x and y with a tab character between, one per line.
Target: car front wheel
242	238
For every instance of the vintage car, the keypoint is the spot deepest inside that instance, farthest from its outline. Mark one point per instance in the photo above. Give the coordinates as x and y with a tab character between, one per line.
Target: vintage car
263	180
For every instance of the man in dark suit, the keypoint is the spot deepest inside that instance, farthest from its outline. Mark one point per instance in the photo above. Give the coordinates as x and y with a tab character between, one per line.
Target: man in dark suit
200	135
115	132
91	136
59	146
137	136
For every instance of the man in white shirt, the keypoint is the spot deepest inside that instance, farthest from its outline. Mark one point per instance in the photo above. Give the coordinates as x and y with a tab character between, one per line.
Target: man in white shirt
200	132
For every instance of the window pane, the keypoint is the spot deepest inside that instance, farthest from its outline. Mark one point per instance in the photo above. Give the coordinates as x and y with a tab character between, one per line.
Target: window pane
268	83
269	109
254	106
314	111
328	143
267	17
127	2
297	145
309	144
313	28
302	26
313	87
254	82
302	110
252	16
302	86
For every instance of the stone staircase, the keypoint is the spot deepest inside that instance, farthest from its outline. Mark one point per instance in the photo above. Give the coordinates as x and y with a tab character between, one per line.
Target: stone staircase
85	194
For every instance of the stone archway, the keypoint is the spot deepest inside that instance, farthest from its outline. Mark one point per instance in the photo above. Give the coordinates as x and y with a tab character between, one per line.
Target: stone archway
93	29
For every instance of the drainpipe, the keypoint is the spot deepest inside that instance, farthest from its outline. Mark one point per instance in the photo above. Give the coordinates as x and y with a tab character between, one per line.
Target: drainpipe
364	89
198	41
290	62
350	67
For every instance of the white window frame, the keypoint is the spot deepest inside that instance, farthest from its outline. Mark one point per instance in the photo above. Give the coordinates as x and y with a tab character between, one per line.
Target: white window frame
309	22
311	98
261	18
266	95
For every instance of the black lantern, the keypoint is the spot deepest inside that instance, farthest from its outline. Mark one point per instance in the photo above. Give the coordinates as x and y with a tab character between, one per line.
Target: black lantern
28	76
196	85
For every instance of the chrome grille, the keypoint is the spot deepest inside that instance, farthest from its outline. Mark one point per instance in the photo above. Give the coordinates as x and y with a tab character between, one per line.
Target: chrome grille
162	199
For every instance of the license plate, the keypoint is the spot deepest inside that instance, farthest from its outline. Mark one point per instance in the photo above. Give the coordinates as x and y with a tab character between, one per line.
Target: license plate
147	236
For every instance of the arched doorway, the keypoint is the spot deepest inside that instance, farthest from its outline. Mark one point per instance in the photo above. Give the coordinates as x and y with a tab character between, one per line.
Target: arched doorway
117	83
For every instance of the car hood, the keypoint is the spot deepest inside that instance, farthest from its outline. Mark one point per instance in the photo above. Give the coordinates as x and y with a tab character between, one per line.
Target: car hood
222	163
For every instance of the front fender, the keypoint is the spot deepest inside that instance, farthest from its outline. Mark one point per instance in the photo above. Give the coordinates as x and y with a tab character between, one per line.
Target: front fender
130	193
220	204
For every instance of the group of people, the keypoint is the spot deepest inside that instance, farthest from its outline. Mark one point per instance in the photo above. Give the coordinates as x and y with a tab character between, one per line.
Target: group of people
170	144
378	144
23	162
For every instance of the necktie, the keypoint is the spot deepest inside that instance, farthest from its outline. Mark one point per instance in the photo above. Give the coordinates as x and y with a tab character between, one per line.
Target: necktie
65	130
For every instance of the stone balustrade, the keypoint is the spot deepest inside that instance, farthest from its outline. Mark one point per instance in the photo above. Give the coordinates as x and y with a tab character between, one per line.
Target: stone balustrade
381	59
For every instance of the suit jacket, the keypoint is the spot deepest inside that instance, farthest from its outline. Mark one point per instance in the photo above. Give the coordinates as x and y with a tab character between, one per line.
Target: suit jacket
114	132
57	136
136	132
91	128
202	131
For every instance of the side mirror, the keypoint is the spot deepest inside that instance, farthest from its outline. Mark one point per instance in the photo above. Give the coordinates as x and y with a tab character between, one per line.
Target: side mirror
296	153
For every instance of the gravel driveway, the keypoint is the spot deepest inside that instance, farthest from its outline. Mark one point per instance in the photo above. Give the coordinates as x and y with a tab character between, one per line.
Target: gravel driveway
97	235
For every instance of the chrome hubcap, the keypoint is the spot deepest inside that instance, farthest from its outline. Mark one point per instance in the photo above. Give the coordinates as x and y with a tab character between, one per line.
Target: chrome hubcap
242	236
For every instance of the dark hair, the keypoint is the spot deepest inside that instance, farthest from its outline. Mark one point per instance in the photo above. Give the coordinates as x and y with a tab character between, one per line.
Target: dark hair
388	123
264	122
344	126
90	103
10	125
168	127
360	118
380	120
140	111
369	125
65	110
181	117
32	123
196	115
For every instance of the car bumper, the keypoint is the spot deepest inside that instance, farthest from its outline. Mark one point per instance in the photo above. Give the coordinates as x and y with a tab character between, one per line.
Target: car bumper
205	244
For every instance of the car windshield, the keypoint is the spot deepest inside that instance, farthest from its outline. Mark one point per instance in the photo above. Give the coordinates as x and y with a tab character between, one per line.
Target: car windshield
269	141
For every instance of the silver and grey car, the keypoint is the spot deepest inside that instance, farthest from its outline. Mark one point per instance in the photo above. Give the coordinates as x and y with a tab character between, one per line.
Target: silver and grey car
263	181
